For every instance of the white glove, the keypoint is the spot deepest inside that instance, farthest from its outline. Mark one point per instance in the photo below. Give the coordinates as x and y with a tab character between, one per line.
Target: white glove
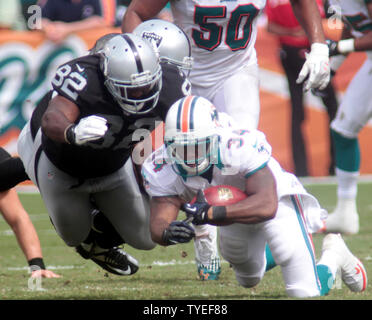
316	68
88	129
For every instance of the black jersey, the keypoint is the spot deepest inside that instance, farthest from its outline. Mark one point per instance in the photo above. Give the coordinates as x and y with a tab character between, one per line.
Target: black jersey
82	82
12	171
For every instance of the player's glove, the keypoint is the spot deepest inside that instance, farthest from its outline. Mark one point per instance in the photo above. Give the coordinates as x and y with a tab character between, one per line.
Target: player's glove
88	129
322	93
178	232
315	72
197	212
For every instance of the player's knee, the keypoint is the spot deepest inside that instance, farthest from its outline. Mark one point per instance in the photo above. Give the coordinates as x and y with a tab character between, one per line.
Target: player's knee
302	292
71	236
248	281
233	251
346	131
70	239
143	242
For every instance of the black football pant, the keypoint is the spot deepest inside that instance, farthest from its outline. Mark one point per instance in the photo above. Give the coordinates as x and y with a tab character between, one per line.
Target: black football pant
292	59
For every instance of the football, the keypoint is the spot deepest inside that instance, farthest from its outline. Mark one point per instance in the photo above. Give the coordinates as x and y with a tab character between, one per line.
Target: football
223	195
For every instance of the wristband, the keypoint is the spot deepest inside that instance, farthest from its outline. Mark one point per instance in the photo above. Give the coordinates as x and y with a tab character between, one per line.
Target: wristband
218	213
69	134
36	264
346	46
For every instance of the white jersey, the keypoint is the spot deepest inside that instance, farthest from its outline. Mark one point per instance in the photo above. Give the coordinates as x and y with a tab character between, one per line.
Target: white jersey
355	14
241	154
226	28
356	105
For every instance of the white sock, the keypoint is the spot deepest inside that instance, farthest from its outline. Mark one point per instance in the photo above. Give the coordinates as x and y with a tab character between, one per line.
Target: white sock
329	259
347	184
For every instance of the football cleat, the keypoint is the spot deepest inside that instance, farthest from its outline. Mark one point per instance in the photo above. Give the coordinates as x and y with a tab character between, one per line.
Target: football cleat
344	219
353	273
113	260
209	273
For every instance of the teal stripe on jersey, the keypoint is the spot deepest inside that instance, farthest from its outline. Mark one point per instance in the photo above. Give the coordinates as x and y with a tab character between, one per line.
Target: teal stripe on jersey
254	171
300	217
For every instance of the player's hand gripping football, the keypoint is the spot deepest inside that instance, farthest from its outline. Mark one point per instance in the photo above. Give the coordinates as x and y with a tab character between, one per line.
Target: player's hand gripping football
197	212
315	72
88	129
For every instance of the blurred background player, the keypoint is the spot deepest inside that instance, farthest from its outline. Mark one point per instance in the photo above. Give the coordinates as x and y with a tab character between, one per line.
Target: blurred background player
11	17
16	216
293	46
353	113
226	71
61	18
278	211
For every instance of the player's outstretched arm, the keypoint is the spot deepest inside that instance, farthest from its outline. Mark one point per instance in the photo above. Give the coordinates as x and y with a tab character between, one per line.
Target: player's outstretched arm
165	229
139	11
308	15
315	72
18	219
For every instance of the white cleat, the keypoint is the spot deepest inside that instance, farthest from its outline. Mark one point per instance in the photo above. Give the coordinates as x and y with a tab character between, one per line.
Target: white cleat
353	273
344	219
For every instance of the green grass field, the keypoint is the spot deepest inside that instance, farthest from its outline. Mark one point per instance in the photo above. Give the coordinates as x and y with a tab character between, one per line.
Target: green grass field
165	273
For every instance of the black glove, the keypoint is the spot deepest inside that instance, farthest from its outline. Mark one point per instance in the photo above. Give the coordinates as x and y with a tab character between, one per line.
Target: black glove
333	48
178	232
198	211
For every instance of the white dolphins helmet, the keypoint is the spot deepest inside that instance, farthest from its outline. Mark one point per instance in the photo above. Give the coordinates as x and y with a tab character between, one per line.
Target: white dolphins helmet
191	138
171	43
132	73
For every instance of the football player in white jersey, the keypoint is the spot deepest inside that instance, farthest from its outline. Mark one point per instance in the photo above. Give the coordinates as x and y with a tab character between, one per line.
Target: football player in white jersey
354	111
223	35
225	69
199	152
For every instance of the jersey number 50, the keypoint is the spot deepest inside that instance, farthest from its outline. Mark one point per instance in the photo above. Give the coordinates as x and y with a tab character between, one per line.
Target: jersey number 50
235	26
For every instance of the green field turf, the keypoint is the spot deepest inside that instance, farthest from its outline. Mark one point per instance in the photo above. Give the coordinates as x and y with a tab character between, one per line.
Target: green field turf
165	273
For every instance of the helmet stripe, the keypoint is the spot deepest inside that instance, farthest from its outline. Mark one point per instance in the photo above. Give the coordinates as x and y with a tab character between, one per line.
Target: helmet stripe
185	114
135	53
191	119
179	113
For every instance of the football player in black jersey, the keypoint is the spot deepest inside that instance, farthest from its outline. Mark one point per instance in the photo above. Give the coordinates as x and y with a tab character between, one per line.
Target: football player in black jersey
101	106
17	217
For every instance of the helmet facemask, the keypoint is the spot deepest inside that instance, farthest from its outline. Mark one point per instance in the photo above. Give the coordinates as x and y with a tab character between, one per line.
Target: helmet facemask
138	96
132	72
192	156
